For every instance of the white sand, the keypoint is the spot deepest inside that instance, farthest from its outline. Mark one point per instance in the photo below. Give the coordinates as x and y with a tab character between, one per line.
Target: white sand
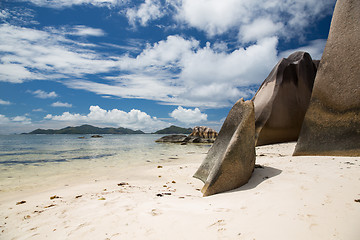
290	198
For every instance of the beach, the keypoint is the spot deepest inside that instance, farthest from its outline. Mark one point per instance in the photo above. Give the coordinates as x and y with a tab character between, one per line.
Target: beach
286	198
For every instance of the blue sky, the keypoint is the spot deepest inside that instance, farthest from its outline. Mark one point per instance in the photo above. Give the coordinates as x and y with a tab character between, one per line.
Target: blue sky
144	64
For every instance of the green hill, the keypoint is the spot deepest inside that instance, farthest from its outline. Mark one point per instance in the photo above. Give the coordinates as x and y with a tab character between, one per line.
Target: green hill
87	129
174	130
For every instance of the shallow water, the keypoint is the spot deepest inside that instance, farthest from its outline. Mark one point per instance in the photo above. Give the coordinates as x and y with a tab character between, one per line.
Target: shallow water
29	161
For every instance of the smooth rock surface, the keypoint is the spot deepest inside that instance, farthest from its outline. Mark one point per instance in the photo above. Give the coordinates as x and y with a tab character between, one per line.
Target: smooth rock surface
175	138
332	121
283	98
231	160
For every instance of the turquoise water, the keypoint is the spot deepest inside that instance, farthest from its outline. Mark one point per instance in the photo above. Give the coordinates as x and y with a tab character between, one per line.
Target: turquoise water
28	160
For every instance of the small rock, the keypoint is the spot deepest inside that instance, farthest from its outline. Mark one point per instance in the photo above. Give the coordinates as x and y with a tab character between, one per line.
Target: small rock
96	136
123	184
102	198
53	197
51	205
159	166
21	202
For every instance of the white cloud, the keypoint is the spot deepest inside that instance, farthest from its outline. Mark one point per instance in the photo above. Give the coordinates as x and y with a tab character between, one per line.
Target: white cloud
69	3
44	55
61	104
42	94
4	102
14	73
216	17
147	11
18	15
259	29
14	120
135	119
315	49
21	119
178	71
188	115
4	119
81	30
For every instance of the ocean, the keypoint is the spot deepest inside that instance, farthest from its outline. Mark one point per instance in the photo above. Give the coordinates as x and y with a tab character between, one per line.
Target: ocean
32	161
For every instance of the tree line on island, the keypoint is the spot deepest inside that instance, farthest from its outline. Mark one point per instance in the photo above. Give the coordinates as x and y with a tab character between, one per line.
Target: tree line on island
88	129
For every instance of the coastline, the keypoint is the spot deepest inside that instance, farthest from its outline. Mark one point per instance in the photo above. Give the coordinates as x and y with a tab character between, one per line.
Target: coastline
287	198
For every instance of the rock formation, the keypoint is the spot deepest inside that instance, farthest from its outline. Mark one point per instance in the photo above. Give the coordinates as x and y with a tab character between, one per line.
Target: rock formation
332	121
183	139
204	132
283	98
175	138
231	160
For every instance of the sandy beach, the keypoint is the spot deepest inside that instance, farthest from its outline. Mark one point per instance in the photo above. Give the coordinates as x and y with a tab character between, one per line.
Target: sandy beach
287	198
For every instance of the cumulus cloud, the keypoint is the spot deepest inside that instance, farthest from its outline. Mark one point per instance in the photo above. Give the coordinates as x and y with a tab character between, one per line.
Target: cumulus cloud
14	120
145	12
259	29
4	119
216	17
178	71
21	119
135	119
11	123
4	102
188	115
61	104
42	94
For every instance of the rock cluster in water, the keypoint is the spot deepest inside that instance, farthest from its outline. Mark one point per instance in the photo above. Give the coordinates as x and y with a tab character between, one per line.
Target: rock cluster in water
204	132
199	135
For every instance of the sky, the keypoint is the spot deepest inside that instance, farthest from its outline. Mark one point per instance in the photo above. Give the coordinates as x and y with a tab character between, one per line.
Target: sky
144	65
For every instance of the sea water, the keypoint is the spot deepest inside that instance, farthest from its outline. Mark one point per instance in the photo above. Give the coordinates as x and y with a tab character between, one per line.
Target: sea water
29	161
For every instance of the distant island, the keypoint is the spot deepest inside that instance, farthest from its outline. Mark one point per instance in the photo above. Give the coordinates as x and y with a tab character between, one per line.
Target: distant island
174	130
88	129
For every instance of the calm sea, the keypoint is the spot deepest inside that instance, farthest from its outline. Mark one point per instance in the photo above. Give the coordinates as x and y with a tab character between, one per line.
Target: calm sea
29	159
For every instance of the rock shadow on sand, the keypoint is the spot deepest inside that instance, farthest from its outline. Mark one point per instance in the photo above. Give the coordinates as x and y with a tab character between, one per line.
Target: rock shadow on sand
260	174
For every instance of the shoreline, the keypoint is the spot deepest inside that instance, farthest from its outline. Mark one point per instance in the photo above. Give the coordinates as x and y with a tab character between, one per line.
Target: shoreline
288	198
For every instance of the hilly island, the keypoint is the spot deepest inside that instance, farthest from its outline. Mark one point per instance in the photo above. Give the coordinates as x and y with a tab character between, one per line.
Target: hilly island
88	129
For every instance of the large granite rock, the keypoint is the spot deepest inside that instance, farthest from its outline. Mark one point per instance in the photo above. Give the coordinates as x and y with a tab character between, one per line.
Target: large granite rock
203	132
332	121
231	160
283	98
